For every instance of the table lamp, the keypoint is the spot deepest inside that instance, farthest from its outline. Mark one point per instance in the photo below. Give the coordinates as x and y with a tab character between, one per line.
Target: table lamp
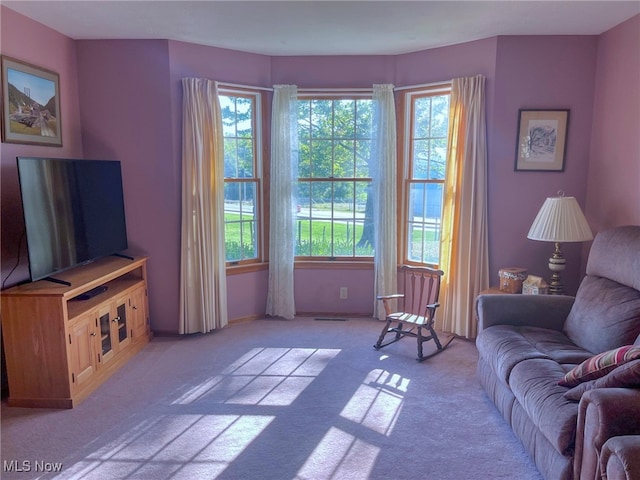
559	220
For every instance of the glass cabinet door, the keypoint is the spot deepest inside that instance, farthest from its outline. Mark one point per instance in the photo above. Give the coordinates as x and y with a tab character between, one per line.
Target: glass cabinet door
121	320
105	333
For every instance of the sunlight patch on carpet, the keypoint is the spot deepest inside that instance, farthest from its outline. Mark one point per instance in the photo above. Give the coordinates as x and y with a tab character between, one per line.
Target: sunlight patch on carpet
262	376
167	445
339	455
378	401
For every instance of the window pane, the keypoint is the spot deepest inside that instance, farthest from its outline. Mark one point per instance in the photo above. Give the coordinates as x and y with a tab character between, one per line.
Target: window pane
321	118
364	219
363	152
344	216
420	158
421	117
245	158
304	158
320	220
240	221
437	158
344	119
304	119
344	155
321	158
424	222
303	224
228	110
244	117
230	158
364	118
440	116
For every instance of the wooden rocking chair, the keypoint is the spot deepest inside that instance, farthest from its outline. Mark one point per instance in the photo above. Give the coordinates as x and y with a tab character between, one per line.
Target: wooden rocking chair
417	309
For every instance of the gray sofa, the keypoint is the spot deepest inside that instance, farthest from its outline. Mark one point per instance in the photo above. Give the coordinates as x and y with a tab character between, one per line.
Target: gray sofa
527	344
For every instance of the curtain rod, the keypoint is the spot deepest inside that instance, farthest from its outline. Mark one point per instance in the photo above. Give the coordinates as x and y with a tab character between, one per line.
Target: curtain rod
423	85
248	87
334	90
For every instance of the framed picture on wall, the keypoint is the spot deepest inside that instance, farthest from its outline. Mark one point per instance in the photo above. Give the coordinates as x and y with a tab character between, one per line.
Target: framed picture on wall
542	140
30	104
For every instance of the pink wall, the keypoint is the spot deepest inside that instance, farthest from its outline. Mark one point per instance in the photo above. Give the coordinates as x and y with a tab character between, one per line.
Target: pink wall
31	42
613	192
126	115
446	63
537	73
333	71
129	107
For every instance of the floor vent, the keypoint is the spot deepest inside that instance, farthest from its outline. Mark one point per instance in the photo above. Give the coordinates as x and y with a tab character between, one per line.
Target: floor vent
331	319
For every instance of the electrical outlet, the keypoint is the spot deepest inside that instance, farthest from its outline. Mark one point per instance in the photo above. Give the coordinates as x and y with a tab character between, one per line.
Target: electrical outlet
344	293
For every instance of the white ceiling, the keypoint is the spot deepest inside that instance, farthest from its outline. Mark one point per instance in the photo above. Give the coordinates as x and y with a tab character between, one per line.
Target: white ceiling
324	27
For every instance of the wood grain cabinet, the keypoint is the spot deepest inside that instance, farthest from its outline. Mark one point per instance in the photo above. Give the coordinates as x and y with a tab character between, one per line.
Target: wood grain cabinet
59	346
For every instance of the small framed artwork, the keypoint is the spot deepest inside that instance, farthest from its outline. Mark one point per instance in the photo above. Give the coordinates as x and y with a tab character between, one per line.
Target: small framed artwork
542	140
30	104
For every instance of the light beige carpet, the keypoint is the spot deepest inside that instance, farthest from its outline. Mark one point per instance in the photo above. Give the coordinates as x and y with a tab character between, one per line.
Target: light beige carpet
275	399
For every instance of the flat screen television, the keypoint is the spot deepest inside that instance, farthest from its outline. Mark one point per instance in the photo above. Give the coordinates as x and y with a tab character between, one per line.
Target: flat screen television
73	212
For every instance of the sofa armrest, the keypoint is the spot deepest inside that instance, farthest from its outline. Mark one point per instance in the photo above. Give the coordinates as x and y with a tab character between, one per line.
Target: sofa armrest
603	413
545	311
620	459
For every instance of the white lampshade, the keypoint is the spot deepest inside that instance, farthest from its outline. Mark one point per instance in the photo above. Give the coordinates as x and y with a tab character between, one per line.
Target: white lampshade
560	220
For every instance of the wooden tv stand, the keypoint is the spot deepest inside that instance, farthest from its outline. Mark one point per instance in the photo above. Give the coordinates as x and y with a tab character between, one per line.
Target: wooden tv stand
58	348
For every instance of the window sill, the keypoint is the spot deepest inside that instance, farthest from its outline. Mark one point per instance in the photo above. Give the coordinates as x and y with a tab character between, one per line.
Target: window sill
304	265
246	268
331	265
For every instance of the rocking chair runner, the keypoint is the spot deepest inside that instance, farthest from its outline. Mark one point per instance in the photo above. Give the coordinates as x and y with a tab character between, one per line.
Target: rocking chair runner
419	301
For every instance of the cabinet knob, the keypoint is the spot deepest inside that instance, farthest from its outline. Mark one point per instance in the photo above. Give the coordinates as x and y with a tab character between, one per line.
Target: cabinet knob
93	334
134	307
116	320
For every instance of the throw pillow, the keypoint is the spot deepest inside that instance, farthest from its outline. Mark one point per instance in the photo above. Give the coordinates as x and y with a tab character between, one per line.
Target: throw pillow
625	376
599	365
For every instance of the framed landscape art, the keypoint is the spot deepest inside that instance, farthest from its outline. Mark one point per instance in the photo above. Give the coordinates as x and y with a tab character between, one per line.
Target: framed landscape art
30	104
542	140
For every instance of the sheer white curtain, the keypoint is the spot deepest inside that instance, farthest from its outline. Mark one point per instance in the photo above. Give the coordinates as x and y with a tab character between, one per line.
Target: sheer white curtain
464	223
284	161
382	166
203	281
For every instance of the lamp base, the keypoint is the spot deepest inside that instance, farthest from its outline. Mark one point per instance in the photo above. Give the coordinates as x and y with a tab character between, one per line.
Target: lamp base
557	263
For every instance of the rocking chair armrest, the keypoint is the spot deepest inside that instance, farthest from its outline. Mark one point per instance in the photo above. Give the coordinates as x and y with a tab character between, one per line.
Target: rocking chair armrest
389	297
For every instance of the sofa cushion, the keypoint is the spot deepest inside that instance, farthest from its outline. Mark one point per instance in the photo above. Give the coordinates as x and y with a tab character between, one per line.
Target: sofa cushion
599	365
625	376
614	255
504	346
533	385
605	315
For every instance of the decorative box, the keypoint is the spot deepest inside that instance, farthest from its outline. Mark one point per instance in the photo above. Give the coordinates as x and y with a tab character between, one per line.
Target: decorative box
511	279
534	286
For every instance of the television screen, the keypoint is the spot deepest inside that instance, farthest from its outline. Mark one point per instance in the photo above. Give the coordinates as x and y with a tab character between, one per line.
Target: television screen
73	212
